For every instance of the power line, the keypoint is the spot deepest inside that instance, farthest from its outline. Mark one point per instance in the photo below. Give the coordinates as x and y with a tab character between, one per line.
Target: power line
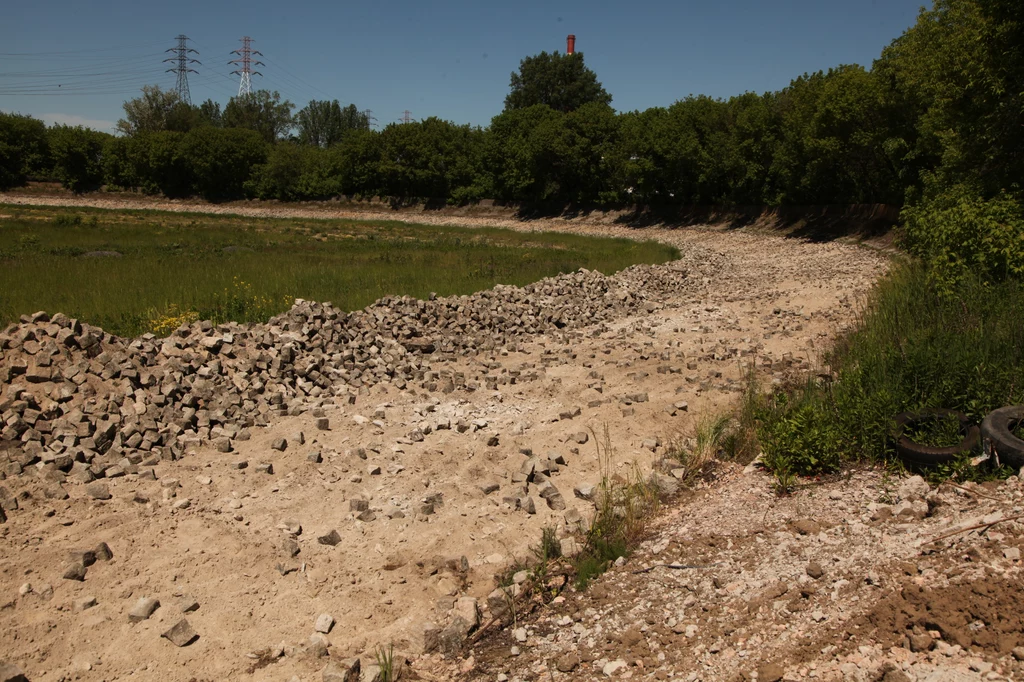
406	116
183	68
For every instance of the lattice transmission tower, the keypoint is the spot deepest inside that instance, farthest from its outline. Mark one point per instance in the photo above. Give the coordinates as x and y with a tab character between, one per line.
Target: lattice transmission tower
183	67
406	116
246	62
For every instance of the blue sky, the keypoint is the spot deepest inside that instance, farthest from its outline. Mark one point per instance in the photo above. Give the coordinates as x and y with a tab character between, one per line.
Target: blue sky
450	59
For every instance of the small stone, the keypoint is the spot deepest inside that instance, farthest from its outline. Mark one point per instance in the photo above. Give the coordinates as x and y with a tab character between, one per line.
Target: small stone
358	505
75	571
921	642
279	444
584	491
814	570
568	662
323	424
342	672
913	488
324	623
143	609
84	603
188	603
1018	653
264	468
613	667
86	557
331	538
180	634
805	527
519	634
770	672
314	457
98	491
490	487
103	552
1012	553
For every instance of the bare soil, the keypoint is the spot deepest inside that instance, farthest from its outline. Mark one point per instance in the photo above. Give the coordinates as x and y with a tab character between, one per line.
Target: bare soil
756	298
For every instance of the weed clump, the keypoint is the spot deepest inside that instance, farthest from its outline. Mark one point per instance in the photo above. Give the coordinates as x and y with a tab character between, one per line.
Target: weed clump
919	344
624	508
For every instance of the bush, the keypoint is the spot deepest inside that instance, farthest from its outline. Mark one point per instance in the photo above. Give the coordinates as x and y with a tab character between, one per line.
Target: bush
959	235
23	149
220	161
294	173
77	154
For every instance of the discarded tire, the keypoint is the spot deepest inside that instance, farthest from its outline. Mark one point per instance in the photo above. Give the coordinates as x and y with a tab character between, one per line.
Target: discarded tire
927	455
997	435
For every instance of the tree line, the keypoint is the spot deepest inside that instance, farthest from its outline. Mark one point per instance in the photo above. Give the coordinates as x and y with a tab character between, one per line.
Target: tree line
941	107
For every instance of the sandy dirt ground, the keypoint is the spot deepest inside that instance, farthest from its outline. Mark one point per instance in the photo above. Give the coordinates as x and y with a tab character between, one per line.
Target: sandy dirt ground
210	533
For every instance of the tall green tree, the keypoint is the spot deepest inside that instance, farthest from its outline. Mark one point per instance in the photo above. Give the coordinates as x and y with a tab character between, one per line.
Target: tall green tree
210	114
961	68
262	111
323	123
561	81
156	109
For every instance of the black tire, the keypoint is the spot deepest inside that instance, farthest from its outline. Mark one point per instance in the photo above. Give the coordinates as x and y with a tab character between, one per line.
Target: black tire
926	455
997	437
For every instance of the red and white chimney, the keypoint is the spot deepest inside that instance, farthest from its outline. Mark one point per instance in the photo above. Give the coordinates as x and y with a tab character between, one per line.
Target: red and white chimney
570	44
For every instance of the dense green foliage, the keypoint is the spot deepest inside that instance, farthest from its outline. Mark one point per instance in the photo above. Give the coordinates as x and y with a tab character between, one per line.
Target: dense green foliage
132	271
23	147
324	124
560	81
77	155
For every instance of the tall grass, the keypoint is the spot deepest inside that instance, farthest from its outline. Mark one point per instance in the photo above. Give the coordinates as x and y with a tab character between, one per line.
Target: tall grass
128	271
625	505
915	346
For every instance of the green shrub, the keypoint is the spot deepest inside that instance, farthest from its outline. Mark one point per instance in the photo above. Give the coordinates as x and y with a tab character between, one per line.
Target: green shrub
799	434
220	160
23	148
960	235
294	173
77	154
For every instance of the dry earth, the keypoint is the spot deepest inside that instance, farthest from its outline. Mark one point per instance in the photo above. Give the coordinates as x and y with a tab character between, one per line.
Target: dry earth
754	606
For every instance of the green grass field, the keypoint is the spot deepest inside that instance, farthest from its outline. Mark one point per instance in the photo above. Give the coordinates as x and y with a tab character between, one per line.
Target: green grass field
137	271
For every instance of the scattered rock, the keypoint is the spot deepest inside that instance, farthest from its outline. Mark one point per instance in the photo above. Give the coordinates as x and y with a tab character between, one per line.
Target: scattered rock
143	609
331	538
98	491
568	662
324	623
180	634
770	672
342	672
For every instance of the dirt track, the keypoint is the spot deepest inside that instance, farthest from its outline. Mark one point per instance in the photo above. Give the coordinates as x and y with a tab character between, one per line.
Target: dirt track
763	299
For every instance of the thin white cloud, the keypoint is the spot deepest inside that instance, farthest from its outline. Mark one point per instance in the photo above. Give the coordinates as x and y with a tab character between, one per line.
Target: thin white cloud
74	120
